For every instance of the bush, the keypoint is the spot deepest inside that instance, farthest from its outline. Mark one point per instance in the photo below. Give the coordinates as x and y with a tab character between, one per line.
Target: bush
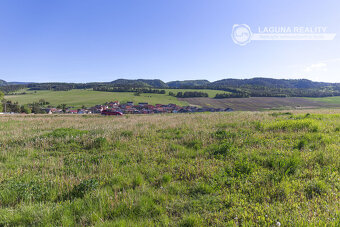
191	220
315	188
81	189
100	142
194	144
293	125
223	134
126	133
16	190
66	132
166	178
225	149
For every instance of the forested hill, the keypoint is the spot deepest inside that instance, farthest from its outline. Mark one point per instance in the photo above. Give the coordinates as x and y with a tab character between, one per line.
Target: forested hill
140	83
187	83
267	87
270	83
255	87
3	83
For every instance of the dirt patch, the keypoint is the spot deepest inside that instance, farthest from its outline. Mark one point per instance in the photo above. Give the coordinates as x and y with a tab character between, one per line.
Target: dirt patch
258	103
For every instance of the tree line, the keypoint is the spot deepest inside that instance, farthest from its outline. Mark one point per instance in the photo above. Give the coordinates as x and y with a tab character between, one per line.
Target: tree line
128	89
35	107
256	87
231	95
188	94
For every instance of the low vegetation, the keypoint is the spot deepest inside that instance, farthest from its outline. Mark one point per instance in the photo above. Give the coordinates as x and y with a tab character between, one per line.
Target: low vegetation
241	168
78	98
331	100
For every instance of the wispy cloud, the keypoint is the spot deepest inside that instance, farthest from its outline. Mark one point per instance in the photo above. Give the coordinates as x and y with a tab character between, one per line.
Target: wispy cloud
325	70
321	66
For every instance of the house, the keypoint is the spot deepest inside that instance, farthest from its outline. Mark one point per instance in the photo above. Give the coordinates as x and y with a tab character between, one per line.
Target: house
112	104
48	110
71	111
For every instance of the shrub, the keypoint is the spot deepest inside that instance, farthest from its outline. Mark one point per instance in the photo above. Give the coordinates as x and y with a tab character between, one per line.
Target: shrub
281	114
81	189
284	165
100	142
243	167
315	188
137	181
17	190
66	132
194	144
166	178
223	134
191	220
302	143
202	188
171	133
126	133
293	125
226	148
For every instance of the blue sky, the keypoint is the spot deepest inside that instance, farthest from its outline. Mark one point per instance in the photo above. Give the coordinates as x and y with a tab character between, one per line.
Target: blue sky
103	40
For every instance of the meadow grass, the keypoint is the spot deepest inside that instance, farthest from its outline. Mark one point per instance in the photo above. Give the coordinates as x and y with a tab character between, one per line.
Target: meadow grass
79	97
87	97
331	100
223	169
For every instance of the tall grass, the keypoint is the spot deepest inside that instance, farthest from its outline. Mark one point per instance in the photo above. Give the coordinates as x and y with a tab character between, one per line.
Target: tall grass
241	168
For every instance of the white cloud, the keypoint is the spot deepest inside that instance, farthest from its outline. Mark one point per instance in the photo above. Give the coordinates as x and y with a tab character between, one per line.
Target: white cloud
325	71
321	66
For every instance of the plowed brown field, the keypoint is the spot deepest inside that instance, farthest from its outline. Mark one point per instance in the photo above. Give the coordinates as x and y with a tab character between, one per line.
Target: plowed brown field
258	103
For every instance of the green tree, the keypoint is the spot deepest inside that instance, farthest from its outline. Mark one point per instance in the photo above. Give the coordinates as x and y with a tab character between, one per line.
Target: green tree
1	97
63	106
25	109
36	108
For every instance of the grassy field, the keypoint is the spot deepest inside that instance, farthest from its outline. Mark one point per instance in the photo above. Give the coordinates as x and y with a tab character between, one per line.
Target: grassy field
77	98
331	100
221	169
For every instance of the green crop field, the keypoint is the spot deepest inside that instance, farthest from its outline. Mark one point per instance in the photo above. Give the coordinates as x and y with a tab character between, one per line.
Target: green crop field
78	98
219	169
331	100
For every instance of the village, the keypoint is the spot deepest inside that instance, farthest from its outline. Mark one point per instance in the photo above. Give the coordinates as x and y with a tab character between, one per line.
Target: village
131	108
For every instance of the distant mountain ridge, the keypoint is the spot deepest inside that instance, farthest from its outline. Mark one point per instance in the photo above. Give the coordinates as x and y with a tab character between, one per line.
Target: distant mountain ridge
236	83
187	83
157	83
5	83
269	82
254	87
140	83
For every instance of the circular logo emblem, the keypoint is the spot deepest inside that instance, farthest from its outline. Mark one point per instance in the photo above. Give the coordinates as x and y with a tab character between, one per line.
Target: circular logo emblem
241	34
